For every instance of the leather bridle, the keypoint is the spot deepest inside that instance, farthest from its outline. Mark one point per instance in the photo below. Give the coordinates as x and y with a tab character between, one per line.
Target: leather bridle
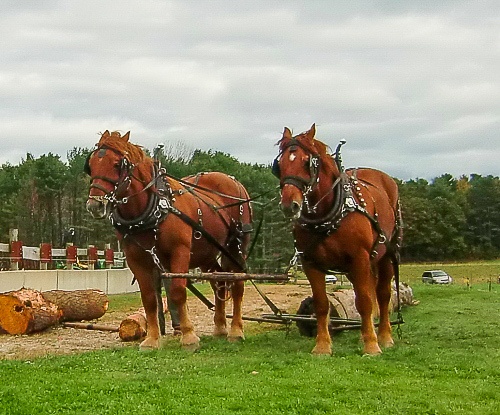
120	185
303	184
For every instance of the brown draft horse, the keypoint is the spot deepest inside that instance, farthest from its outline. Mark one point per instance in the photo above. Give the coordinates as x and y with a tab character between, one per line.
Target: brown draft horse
171	225
347	221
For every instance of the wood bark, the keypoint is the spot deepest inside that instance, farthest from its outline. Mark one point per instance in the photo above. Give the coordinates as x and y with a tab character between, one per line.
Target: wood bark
343	302
134	326
26	311
79	304
343	307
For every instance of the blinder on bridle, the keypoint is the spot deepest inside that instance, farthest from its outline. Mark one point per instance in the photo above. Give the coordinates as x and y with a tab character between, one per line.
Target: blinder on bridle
298	181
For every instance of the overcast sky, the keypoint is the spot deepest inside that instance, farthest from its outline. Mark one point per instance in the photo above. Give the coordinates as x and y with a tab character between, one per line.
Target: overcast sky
413	86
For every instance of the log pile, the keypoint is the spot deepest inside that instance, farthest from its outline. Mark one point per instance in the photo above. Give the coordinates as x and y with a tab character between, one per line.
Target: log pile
28	311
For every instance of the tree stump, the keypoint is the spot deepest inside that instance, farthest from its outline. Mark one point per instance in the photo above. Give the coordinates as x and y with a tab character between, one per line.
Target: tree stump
26	311
80	304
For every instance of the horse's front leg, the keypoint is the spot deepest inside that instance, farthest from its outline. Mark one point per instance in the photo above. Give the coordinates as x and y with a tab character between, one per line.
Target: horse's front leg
180	264
146	281
220	325
321	308
363	282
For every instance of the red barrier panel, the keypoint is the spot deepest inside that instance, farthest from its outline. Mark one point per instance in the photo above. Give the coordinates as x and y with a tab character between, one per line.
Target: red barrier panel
45	253
71	254
16	251
109	256
92	254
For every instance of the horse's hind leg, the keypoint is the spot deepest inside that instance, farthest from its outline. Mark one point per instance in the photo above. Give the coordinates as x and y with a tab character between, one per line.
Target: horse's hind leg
236	331
385	274
237	290
322	309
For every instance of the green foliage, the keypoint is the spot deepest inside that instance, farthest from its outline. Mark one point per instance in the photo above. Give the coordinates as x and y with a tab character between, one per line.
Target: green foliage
447	219
445	363
451	219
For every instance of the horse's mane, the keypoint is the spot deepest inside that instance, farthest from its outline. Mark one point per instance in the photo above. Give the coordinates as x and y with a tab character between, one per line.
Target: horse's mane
134	153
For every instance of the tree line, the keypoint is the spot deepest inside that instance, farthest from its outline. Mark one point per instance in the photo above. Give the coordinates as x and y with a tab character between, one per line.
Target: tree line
445	219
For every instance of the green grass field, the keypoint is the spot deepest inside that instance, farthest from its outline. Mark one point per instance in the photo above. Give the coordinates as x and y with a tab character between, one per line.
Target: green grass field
445	363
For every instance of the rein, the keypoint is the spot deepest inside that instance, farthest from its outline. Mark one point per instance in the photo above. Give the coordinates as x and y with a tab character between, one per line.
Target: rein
345	189
160	203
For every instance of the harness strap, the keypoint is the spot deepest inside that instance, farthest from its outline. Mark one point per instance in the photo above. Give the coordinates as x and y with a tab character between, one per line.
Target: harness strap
197	227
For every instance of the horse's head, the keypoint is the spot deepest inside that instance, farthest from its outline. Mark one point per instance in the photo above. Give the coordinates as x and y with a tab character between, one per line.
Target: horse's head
298	166
110	167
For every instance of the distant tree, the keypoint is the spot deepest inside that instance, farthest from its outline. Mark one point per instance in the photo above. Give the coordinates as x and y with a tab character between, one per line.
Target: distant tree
483	215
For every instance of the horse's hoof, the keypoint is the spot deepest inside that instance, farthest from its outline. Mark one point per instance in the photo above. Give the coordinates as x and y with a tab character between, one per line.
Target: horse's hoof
189	339
322	350
372	350
386	343
191	348
235	339
218	332
149	344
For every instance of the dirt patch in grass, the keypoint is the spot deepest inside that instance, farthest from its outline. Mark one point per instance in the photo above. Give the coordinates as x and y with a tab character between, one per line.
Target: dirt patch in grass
62	340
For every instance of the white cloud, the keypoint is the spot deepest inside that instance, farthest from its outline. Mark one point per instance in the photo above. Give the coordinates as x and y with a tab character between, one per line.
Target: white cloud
409	85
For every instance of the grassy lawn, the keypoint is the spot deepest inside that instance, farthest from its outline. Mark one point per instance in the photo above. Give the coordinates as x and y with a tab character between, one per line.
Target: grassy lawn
445	363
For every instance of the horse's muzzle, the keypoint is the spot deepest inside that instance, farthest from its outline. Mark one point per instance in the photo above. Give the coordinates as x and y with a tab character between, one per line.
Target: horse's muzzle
97	208
291	210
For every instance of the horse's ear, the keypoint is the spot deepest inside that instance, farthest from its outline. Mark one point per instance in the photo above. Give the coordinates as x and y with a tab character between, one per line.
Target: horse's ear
105	134
287	133
312	132
126	136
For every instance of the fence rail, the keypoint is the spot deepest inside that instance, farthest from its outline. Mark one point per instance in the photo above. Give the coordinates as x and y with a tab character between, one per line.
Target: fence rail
15	256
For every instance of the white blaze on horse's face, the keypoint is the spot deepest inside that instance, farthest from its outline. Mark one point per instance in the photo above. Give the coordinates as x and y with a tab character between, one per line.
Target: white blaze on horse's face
291	198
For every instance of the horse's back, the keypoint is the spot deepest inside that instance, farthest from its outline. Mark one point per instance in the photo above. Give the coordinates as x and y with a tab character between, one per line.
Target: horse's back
380	181
224	190
219	182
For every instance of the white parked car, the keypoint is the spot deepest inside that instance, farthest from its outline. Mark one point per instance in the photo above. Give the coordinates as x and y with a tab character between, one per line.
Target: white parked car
331	278
436	277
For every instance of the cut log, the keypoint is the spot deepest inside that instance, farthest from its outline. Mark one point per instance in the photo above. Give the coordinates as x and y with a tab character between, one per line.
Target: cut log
343	306
79	305
133	327
26	311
